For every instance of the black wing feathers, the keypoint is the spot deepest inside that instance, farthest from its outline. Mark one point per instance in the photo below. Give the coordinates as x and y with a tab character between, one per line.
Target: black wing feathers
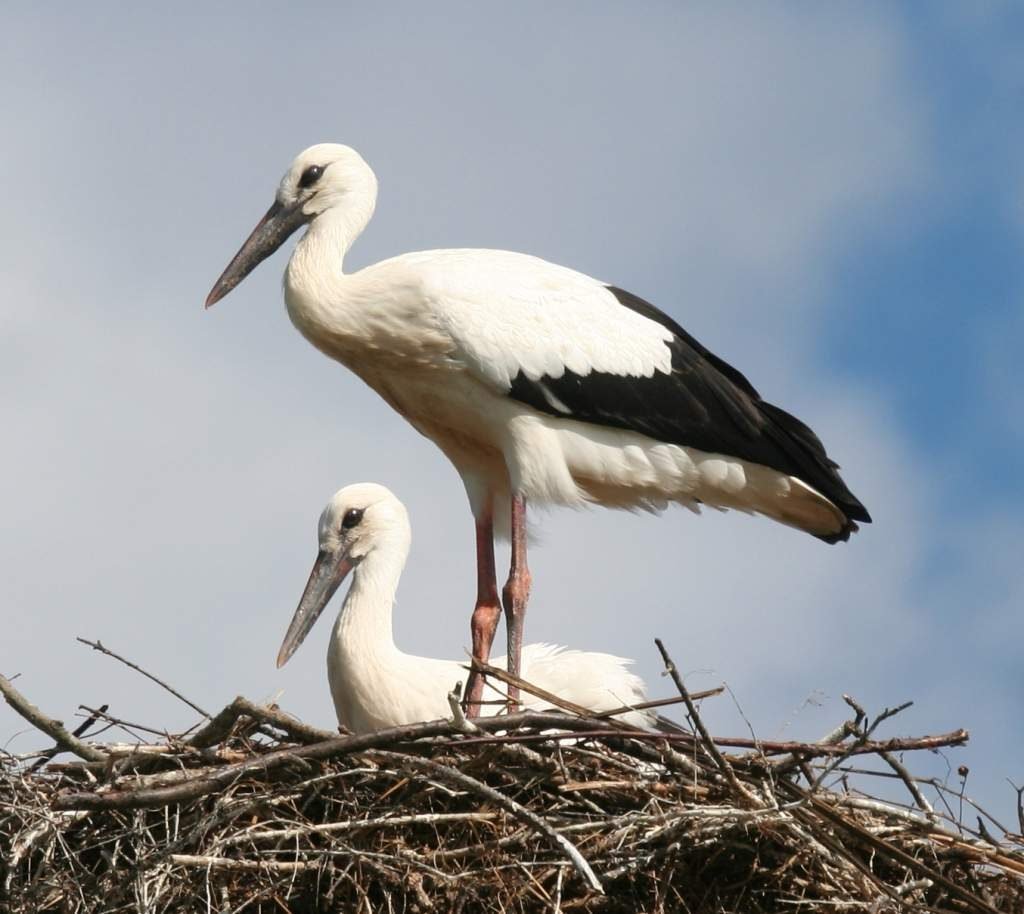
704	403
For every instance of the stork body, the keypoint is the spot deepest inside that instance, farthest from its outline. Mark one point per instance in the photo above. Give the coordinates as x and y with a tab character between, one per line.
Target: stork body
539	383
365	529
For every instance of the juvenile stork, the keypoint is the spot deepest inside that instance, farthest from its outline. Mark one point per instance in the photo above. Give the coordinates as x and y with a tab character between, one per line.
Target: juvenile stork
365	529
539	383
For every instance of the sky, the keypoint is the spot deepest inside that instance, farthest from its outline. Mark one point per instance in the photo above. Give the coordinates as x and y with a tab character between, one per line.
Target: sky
829	197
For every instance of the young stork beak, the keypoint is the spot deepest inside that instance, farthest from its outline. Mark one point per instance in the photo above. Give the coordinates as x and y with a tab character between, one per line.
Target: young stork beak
279	222
328	572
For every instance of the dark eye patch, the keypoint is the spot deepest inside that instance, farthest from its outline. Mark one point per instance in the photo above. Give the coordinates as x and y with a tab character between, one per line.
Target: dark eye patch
352	518
310	176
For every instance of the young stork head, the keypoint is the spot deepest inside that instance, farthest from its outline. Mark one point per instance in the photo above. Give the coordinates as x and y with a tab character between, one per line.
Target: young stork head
359	520
322	177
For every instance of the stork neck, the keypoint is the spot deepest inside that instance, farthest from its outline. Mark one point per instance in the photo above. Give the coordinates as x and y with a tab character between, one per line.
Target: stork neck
333	232
364	627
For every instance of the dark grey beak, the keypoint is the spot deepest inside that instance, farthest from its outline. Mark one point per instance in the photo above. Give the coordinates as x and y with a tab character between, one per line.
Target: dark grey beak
325	578
272	231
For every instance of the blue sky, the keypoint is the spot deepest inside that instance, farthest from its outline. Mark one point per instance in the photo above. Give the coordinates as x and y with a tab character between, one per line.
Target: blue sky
830	198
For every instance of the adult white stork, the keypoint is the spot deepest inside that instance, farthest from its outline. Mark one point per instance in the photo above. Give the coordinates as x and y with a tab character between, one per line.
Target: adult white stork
365	529
539	383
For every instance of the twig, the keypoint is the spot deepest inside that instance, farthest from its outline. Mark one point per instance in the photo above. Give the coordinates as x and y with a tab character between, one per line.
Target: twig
707	742
907	779
49	726
1020	804
523	814
459	720
226	863
220	725
865	747
658	703
126	725
389	821
510	680
97	645
78	731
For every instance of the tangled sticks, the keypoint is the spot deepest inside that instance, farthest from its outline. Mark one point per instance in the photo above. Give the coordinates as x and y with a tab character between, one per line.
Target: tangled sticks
532	812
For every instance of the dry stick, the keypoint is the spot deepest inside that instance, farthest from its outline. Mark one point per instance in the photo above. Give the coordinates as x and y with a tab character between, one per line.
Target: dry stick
807	750
510	680
658	703
97	645
101	714
709	743
867	747
1020	805
523	814
459	720
226	863
78	731
908	779
894	744
49	726
388	821
219	726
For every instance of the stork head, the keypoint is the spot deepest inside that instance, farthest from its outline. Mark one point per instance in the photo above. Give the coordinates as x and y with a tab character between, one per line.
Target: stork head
358	521
322	177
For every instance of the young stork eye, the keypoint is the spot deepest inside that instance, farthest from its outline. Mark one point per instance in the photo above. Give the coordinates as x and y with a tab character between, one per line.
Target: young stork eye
310	176
352	518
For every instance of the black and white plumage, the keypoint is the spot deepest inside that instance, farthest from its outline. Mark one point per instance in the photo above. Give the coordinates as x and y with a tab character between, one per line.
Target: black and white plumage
702	402
538	382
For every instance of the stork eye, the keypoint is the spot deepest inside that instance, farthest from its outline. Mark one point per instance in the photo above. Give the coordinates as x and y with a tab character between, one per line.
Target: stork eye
352	518
310	176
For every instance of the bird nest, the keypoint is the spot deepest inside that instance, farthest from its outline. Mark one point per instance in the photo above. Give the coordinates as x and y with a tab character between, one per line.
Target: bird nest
530	812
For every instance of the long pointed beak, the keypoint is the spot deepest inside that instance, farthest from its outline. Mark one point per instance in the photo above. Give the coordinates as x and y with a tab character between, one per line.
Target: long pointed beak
271	232
325	578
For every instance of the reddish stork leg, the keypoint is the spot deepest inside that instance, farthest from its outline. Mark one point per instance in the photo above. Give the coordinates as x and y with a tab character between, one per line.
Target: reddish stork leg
487	611
516	593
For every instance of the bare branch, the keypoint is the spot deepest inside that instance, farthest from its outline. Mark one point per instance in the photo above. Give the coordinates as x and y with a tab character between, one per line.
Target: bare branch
49	726
98	646
706	739
220	726
907	779
78	731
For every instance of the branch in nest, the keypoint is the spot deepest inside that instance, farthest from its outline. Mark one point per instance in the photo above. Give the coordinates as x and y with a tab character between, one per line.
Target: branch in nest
78	731
220	726
49	726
